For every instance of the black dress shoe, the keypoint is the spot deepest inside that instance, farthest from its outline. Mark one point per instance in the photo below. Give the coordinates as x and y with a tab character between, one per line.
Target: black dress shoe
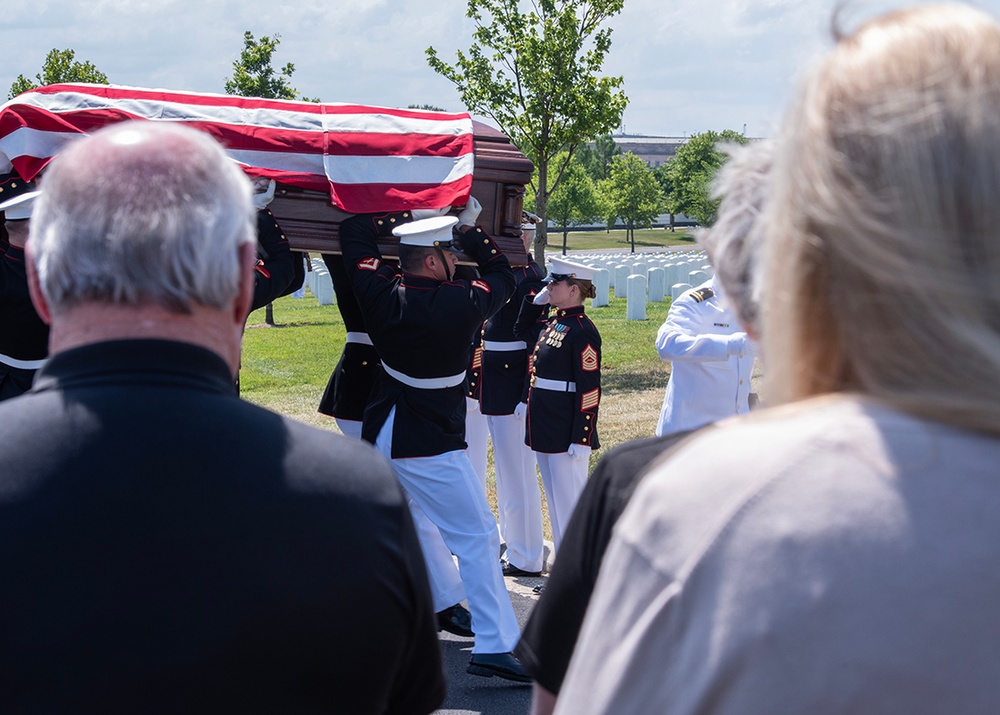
456	619
502	665
510	569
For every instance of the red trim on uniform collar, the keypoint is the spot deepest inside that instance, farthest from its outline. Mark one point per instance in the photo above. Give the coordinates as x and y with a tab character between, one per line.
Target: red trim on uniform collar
569	312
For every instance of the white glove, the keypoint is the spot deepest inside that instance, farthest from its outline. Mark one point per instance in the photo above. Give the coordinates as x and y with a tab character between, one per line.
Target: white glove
741	344
542	298
470	213
521	410
578	452
419	214
263	192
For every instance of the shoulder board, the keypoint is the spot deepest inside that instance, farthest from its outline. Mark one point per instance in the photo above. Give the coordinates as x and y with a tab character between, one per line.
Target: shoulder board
702	295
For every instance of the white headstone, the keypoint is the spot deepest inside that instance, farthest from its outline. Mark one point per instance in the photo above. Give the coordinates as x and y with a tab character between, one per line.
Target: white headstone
602	280
696	278
655	277
676	289
635	309
622	272
323	287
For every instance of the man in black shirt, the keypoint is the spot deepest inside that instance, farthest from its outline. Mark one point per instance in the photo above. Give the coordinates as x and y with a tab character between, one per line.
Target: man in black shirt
166	547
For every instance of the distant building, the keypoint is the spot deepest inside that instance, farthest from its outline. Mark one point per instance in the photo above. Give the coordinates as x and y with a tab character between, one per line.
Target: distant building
652	150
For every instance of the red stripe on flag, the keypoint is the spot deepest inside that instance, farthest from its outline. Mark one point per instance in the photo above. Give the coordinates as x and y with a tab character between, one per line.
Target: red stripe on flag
369	198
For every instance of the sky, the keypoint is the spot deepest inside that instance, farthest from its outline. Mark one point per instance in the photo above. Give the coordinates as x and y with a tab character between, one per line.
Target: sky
688	65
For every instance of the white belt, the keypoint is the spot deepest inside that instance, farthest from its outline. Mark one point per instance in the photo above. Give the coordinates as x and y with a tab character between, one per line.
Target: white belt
359	338
425	383
557	385
22	364
505	346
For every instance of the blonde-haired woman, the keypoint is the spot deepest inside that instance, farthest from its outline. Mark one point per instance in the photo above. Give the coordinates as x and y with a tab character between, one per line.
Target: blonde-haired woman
839	552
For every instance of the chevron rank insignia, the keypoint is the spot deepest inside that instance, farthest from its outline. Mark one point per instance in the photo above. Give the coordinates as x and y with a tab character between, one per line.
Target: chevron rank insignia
588	358
589	400
368	264
702	295
481	285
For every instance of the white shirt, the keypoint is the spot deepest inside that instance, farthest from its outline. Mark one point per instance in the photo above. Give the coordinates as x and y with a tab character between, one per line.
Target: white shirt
712	362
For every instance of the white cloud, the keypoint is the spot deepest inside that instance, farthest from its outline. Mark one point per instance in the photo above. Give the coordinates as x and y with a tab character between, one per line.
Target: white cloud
689	65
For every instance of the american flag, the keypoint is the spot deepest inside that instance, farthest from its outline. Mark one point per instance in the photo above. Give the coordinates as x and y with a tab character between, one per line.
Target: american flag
368	158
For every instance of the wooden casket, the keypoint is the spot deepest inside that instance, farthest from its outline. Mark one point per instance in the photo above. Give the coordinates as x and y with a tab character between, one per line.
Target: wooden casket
311	221
328	159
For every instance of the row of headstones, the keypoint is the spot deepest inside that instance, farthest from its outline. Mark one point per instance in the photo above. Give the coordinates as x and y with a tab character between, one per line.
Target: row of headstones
319	282
645	278
650	279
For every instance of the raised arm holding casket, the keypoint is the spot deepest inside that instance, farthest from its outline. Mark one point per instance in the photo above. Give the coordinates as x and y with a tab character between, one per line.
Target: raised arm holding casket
279	270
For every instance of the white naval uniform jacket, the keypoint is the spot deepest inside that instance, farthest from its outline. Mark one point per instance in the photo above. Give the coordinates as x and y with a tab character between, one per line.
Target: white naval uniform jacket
712	361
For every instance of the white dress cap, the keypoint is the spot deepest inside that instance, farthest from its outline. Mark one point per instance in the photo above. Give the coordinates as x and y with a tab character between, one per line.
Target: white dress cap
428	232
561	269
19	207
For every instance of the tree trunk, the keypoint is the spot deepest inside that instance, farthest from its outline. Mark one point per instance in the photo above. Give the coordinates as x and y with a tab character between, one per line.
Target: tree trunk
672	223
565	234
542	209
631	233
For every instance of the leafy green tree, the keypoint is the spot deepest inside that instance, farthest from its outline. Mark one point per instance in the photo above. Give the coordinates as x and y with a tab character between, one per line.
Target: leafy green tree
575	201
59	67
597	158
691	172
253	75
666	187
425	107
631	194
535	73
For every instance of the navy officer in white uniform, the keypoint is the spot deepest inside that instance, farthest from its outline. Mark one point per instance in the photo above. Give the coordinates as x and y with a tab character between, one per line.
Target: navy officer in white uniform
421	321
712	361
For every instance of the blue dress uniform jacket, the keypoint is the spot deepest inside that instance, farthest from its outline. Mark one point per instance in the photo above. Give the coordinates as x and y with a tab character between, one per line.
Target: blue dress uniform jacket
504	374
24	338
568	352
350	386
422	328
278	270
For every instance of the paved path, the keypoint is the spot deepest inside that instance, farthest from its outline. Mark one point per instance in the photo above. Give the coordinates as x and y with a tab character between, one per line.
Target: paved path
473	694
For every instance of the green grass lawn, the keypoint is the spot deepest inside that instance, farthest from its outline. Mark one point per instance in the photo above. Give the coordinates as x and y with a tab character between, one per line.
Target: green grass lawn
596	240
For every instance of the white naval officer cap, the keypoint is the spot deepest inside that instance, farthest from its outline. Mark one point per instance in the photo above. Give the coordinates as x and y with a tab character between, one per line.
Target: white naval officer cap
561	269
528	221
17	197
434	232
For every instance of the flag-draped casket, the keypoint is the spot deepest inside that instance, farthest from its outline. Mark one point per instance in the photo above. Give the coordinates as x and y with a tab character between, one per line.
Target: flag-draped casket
329	160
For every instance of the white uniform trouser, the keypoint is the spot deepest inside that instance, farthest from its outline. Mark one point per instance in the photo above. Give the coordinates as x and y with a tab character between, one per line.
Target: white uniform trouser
446	584
519	501
349	428
476	437
477	440
445	487
564	479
